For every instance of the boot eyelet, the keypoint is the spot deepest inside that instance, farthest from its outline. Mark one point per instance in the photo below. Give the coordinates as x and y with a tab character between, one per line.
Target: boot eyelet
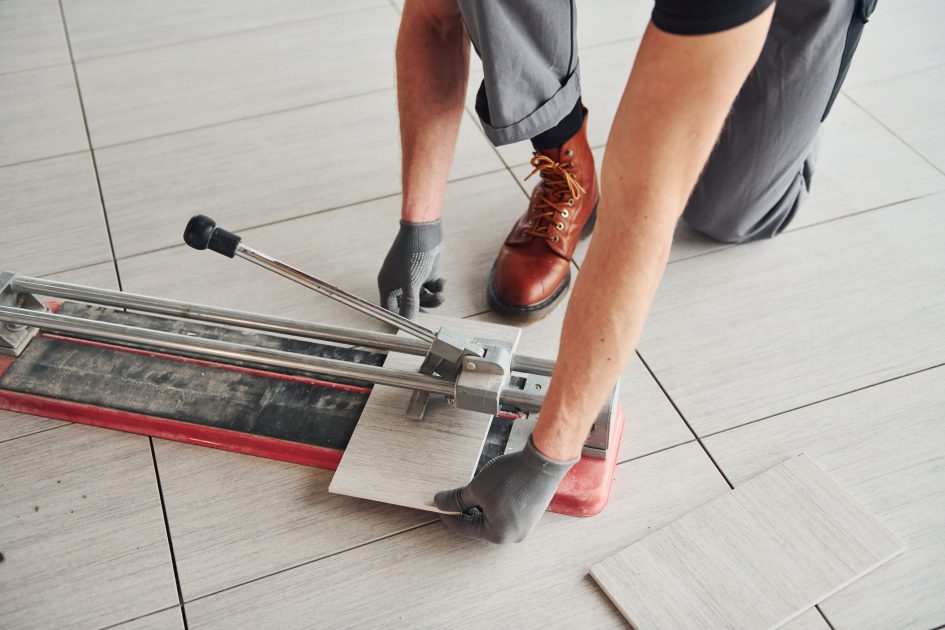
555	239
571	201
565	213
560	225
569	152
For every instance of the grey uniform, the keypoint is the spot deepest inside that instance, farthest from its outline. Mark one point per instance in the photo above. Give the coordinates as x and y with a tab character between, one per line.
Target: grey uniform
760	171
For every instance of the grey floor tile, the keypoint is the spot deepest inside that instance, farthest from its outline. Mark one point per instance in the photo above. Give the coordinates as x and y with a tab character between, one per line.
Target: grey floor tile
109	27
101	275
276	516
52	216
345	247
169	619
810	620
911	106
606	21
262	170
900	38
31	35
158	91
41	115
862	165
604	73
14	425
650	424
884	445
83	535
762	328
430	578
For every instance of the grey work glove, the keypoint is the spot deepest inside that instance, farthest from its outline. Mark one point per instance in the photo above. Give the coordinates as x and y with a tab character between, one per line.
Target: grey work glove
505	500
408	278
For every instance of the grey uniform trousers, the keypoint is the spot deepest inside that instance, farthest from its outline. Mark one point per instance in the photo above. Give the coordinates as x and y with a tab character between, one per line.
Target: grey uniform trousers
760	171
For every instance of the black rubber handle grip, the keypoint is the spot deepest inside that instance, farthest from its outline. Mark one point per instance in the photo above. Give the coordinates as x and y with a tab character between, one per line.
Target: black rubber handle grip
202	233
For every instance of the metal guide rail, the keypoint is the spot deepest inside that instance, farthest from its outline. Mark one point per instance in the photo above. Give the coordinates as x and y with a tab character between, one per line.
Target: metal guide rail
471	375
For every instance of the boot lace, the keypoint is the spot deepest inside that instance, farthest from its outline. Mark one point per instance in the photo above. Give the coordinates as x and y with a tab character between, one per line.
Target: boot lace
558	191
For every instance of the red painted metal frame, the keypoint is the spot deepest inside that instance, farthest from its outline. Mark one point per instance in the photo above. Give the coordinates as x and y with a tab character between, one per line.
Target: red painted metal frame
583	492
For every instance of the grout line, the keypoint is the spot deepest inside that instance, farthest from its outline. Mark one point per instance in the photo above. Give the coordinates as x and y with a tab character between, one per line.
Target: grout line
167	530
683	417
71	269
897	136
817	402
659	450
88	137
909	73
66	423
304	215
394	6
153	612
37	68
45	157
312	561
251	29
826	621
221	123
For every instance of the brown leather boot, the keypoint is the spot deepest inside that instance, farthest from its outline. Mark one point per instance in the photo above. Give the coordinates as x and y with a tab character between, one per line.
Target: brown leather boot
533	270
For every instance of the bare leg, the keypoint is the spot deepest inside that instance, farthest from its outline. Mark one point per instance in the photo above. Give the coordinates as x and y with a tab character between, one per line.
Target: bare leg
432	72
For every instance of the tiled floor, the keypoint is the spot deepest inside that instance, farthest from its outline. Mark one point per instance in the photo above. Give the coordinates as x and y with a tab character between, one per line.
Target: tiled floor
279	119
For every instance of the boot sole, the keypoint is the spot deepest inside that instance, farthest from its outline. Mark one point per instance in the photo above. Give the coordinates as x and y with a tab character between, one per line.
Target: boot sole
534	312
529	313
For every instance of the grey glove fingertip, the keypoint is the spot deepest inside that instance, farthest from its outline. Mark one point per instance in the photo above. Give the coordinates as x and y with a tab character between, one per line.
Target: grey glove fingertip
450	500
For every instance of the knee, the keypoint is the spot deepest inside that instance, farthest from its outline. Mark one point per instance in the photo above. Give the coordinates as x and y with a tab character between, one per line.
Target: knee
742	218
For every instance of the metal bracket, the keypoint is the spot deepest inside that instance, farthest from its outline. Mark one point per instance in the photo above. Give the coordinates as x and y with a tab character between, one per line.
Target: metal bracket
444	359
15	337
482	379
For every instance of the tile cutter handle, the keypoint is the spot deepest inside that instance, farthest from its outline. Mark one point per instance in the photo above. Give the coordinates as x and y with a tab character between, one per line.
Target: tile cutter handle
202	232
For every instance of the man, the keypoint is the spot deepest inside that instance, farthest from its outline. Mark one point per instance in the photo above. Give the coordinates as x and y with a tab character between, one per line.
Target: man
668	156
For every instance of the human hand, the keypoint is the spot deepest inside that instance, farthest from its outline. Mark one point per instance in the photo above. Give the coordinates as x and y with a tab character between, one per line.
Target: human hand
507	498
408	278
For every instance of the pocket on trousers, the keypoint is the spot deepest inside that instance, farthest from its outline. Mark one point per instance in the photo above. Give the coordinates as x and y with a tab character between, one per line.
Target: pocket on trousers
861	15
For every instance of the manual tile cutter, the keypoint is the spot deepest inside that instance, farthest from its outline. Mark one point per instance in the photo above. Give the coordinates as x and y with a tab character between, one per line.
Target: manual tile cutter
263	385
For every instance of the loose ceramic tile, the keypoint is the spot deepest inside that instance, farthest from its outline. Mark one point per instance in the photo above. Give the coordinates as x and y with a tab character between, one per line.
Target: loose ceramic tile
346	247
83	533
169	619
855	146
162	90
53	216
650	424
277	516
604	73
911	107
753	558
431	578
31	35
108	27
263	170
758	329
900	38
884	444
606	21
41	115
403	461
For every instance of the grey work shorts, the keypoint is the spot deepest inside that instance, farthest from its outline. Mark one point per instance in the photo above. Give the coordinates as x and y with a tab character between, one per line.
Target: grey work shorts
760	171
